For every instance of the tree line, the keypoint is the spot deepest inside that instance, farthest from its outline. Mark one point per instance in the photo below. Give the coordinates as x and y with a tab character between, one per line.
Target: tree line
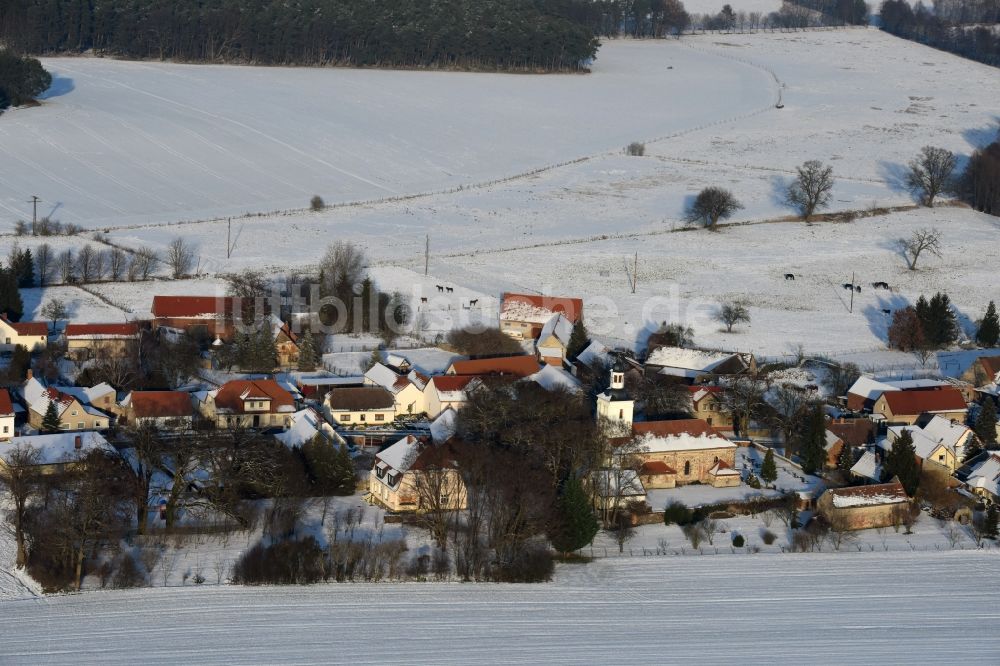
487	34
968	34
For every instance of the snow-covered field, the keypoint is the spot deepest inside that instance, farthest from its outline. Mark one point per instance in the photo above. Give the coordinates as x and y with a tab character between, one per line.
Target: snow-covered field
898	608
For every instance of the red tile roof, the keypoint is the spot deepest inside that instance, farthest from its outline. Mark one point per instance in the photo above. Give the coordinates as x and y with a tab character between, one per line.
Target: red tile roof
451	382
6	406
192	306
87	330
693	427
946	399
360	399
160	404
39	328
517	366
656	467
232	394
571	308
854	432
990	365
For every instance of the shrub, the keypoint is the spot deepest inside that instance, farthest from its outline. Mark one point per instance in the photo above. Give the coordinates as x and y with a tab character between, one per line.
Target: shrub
317	203
768	537
128	574
283	563
635	149
753	481
738	541
532	564
677	513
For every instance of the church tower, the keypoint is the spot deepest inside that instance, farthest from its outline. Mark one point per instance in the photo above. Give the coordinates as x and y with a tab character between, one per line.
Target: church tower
614	407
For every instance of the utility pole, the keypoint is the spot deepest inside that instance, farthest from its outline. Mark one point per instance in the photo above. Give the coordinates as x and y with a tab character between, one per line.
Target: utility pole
635	272
851	310
34	212
427	253
229	235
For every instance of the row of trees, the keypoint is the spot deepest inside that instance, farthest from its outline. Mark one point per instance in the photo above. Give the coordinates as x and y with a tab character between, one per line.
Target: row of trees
932	324
21	79
495	34
970	36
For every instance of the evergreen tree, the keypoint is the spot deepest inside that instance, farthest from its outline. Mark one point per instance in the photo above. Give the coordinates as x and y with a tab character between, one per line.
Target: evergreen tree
347	476
575	524
937	320
846	459
10	297
322	463
50	422
768	470
265	349
578	339
972	449
812	454
989	329
374	359
991	528
20	363
27	274
308	358
901	461
986	423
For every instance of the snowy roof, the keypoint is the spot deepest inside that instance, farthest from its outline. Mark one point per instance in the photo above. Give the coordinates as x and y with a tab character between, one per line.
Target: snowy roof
538	309
869	388
684	442
722	468
687	359
401	455
868	467
387	378
557	326
305	424
57	448
909	384
938	432
986	476
88	394
552	378
831	440
594	351
443	427
945	431
883	493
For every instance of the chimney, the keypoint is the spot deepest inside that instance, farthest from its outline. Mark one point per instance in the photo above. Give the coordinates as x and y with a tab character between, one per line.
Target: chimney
78	442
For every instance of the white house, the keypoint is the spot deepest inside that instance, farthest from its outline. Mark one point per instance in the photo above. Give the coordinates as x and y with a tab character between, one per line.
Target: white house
407	394
554	340
32	335
6	416
56	451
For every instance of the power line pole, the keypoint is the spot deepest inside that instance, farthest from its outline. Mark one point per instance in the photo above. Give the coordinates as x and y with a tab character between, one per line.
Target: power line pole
427	253
34	211
851	310
229	235
635	272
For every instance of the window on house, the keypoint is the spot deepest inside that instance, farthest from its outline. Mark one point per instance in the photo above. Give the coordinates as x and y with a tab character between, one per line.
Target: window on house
345	417
81	425
64	426
687	468
380	417
363	416
941	458
444	499
621	414
6	429
74	413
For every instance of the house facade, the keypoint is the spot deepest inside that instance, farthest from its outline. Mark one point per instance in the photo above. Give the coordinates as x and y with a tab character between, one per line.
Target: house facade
86	341
415	476
205	317
523	316
32	335
361	406
447	392
406	389
6	415
907	407
984	479
56	453
166	410
246	403
707	404
696	366
984	370
74	413
690	451
554	340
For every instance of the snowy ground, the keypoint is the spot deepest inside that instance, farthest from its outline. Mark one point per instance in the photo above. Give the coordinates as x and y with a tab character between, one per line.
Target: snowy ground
898	608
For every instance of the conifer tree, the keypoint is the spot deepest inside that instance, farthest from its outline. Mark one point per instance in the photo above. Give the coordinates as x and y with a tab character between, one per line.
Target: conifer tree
813	454
50	422
322	462
989	329
972	449
901	461
578	339
846	459
347	476
991	528
768	470
308	358
10	297
986	423
575	524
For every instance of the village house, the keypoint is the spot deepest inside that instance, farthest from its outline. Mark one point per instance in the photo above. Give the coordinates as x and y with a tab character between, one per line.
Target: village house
907	407
412	475
86	341
203	317
447	392
696	366
32	335
524	316
691	452
984	370
249	403
554	340
833	446
286	344
863	393
406	389
361	406
6	416
984	479
706	404
167	410
864	507
305	425
855	433
940	441
73	405
515	367
58	452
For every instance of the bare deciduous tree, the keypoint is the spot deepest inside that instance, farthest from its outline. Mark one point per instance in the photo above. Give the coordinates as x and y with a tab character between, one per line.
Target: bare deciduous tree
922	240
730	314
711	205
85	263
20	475
929	173
117	261
65	266
54	310
43	263
143	264
811	189
180	257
